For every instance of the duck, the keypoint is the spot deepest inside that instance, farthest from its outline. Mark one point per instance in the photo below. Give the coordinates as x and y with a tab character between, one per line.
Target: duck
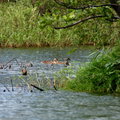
10	66
24	71
29	64
54	61
65	62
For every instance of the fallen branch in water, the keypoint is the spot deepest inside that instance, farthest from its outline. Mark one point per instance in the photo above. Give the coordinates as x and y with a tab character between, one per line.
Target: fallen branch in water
5	65
55	87
6	88
12	85
37	87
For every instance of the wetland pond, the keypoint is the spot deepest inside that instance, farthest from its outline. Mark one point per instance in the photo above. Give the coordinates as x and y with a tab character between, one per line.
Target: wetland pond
21	104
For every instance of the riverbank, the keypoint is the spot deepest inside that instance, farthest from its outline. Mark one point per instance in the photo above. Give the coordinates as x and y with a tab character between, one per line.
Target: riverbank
21	26
89	71
101	75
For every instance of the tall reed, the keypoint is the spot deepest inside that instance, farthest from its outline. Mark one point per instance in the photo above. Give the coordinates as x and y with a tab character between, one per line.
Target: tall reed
21	25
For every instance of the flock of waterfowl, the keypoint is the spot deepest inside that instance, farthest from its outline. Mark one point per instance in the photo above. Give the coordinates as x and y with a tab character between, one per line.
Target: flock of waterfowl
66	62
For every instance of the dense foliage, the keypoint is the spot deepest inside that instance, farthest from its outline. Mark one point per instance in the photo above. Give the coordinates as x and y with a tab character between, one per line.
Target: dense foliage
102	75
31	24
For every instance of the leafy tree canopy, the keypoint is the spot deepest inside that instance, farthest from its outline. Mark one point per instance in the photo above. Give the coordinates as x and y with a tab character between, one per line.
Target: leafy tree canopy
90	9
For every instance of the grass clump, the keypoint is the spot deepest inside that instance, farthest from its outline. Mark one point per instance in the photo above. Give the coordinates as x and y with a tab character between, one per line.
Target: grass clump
102	75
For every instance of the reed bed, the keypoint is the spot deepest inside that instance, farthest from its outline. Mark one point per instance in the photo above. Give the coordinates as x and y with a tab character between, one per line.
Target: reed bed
21	26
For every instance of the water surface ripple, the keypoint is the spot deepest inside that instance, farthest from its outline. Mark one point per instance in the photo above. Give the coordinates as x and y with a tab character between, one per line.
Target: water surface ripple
21	104
60	105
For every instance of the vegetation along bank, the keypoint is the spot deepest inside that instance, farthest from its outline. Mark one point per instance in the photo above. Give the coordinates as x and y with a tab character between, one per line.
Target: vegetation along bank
31	23
61	23
102	75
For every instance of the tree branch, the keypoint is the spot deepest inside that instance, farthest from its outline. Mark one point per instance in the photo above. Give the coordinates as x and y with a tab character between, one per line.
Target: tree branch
116	17
116	8
84	7
83	20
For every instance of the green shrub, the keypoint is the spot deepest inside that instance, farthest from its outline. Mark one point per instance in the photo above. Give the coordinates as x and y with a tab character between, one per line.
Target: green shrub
101	75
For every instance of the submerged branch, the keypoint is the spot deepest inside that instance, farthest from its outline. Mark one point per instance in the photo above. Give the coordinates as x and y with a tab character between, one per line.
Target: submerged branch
12	85
5	65
37	87
6	88
54	87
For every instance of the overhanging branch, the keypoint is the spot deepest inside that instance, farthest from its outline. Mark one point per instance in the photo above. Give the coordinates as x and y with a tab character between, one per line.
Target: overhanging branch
116	17
112	19
83	20
84	7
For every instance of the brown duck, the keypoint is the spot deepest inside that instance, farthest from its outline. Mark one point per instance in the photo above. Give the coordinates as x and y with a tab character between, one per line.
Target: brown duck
24	71
54	61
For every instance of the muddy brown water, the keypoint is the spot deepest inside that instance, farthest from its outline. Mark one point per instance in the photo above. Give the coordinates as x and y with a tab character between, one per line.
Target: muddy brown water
21	104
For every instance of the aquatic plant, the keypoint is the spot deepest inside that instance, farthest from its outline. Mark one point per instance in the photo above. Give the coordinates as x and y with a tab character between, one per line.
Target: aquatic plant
62	77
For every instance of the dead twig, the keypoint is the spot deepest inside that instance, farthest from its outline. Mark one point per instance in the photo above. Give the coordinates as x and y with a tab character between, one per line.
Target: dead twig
6	88
12	85
37	87
5	65
54	87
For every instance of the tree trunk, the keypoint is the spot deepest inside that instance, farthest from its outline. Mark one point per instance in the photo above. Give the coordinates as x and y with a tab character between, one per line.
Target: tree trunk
116	8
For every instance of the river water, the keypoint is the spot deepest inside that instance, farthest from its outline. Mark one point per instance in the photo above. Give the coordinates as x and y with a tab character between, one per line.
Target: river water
22	104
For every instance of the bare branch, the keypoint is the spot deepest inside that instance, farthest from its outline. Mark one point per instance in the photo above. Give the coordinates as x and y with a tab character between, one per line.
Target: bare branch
83	20
115	17
84	7
37	87
112	19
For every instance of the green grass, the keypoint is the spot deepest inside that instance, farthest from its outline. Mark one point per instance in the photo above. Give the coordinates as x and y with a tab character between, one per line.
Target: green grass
101	75
21	26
